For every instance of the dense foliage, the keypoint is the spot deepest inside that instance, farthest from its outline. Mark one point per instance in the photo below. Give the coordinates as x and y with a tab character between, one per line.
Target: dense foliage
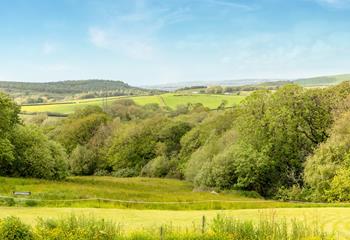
291	143
25	150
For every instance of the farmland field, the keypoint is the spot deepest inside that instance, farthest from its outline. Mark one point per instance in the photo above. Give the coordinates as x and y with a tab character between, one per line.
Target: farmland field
171	201
330	219
170	100
139	193
134	193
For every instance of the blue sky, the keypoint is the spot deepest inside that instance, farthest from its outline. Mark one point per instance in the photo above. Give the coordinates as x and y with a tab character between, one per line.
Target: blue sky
145	42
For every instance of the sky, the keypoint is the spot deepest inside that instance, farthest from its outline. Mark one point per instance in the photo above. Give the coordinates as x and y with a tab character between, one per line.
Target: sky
148	42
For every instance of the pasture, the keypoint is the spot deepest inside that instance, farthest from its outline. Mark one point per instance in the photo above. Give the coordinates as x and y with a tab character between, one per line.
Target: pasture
137	193
170	100
330	219
143	203
132	193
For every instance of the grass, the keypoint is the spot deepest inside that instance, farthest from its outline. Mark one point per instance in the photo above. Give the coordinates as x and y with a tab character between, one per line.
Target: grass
139	193
133	193
172	203
329	219
170	100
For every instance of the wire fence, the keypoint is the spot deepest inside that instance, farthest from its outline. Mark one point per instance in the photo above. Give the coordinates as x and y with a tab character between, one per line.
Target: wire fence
133	201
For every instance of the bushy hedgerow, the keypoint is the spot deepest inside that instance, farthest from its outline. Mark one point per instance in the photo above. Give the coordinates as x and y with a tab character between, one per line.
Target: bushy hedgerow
220	228
11	228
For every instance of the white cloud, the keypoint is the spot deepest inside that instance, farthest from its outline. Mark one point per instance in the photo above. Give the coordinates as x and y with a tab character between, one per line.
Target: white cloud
334	3
98	37
134	32
225	59
48	48
232	4
131	45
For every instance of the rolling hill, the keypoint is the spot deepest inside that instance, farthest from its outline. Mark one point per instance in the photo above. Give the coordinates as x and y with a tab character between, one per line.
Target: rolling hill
307	82
71	86
36	92
323	80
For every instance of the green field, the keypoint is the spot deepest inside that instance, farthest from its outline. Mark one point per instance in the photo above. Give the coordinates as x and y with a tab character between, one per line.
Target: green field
133	193
330	219
137	193
147	202
170	100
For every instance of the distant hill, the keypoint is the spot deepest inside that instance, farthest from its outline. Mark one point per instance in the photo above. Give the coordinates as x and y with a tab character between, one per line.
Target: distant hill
314	81
323	80
33	92
72	86
236	82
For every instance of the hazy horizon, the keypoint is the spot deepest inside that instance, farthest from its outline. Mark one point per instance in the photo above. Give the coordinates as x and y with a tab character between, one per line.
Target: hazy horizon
149	42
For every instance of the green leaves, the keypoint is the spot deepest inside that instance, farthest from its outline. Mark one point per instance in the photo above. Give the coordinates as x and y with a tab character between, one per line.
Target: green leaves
8	114
36	155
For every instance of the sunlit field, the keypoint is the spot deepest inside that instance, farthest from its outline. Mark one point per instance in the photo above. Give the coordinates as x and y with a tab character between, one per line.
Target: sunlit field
170	100
335	220
137	193
133	193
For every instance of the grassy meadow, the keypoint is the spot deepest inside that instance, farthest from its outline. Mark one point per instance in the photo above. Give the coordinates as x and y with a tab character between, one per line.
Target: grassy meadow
136	193
331	220
220	227
171	100
132	193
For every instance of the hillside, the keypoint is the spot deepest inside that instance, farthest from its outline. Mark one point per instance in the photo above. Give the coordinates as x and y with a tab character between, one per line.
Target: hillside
170	100
244	83
72	86
323	80
31	92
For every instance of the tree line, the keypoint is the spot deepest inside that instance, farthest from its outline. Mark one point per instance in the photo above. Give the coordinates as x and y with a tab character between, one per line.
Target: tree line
292	143
36	93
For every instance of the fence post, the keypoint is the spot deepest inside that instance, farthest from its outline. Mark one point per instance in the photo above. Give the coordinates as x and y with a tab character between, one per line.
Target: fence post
203	224
161	233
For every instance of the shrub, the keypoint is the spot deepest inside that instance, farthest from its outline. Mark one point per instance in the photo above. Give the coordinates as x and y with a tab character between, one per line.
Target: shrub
102	172
82	161
73	228
31	203
221	228
125	172
8	201
218	173
294	193
11	228
266	229
339	186
158	167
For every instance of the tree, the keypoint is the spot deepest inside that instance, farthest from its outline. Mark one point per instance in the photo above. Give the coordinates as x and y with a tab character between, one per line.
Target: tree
285	127
8	119
135	145
79	128
37	156
82	161
331	159
8	115
6	156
